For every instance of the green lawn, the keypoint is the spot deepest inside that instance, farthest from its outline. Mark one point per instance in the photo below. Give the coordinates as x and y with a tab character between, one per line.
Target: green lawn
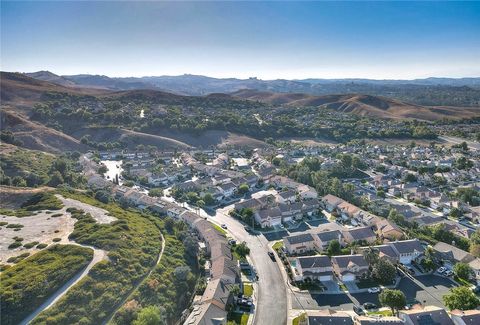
238	318
277	245
367	283
247	289
381	313
219	229
296	320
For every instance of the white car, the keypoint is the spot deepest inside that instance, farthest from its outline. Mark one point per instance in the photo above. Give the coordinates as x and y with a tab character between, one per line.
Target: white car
441	270
374	290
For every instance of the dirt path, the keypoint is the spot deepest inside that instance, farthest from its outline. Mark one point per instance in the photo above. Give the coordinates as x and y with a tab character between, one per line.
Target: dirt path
98	255
127	297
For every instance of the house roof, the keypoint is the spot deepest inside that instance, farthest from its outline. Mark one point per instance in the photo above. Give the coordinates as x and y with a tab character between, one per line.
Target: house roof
332	199
217	292
266	213
389	320
386	251
309	262
286	194
326	236
297	239
470	317
344	260
328	316
430	315
457	253
206	314
407	246
361	233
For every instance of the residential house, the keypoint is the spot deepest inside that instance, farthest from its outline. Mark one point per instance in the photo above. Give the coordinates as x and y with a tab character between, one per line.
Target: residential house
307	192
315	268
408	250
328	316
450	253
269	217
360	234
227	189
331	202
286	197
291	211
310	207
207	314
217	292
387	320
475	265
388	252
349	267
388	230
298	244
425	315
465	317
348	210
324	238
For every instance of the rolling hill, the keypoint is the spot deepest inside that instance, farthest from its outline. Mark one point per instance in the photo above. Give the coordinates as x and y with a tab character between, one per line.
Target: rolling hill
364	105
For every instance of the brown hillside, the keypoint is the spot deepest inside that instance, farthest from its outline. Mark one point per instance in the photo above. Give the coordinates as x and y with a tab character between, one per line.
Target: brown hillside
364	105
37	136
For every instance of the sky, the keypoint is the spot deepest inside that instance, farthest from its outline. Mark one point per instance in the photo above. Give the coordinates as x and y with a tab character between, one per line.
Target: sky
268	40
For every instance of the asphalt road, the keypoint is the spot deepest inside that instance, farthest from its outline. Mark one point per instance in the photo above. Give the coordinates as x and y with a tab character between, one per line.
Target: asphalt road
429	290
271	307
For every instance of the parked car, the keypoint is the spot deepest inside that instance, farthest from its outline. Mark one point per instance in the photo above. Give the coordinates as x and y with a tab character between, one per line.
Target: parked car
224	226
282	226
441	270
232	241
272	256
448	273
358	310
374	290
369	305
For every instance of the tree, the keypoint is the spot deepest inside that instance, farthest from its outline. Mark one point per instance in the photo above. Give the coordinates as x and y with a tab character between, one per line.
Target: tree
243	189
395	299
242	249
155	192
462	270
208	199
169	224
461	298
102	169
384	271
475	250
334	248
56	179
103	196
151	315
19	181
371	255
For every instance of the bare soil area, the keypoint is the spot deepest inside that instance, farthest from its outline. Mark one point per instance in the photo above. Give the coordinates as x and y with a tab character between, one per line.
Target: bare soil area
45	227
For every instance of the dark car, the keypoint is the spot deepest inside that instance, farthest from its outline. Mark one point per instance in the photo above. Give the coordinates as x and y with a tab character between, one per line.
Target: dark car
272	256
369	305
358	310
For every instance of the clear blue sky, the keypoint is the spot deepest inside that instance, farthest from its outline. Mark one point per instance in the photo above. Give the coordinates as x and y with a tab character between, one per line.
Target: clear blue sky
267	40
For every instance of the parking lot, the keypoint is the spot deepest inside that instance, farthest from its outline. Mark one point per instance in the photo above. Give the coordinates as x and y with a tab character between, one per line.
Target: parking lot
436	286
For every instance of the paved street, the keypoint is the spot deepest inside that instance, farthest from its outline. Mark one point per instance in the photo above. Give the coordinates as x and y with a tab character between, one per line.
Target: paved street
272	302
434	287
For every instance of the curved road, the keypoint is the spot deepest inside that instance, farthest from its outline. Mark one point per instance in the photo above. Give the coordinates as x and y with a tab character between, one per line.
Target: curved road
271	306
98	255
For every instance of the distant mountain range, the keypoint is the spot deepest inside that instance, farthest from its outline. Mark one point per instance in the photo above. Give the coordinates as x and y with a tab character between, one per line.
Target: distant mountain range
429	91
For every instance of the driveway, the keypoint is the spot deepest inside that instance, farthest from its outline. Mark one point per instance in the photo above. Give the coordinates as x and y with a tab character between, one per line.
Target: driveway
427	289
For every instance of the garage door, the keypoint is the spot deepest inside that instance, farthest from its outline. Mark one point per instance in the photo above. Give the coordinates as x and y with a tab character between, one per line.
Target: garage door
325	278
348	277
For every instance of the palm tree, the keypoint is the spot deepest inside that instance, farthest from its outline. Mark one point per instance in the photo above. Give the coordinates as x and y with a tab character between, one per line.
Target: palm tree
371	255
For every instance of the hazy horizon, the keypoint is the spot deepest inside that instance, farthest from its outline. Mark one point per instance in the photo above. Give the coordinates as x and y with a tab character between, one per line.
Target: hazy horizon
274	40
